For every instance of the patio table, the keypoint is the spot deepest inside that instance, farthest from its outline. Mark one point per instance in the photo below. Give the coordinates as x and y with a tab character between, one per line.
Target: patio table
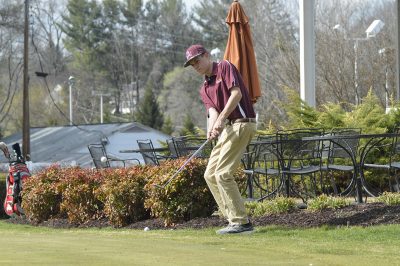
357	156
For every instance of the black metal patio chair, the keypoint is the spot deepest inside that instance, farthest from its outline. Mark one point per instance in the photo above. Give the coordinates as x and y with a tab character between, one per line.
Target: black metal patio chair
386	157
173	152
262	168
102	159
341	153
150	156
300	162
186	145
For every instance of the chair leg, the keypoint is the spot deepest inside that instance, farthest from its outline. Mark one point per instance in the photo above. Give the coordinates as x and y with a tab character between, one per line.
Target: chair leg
397	188
250	186
286	178
333	183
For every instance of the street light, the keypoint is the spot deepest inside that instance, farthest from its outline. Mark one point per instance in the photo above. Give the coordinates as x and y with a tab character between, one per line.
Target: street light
71	82
373	29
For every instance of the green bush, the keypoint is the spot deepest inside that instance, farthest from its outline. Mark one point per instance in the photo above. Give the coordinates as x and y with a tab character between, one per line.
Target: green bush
186	196
326	202
273	206
2	194
122	194
369	115
41	196
389	198
79	199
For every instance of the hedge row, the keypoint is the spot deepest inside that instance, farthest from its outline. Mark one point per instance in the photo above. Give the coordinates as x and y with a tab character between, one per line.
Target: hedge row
122	196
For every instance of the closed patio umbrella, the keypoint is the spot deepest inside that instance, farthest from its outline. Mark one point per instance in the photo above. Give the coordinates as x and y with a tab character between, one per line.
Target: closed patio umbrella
239	49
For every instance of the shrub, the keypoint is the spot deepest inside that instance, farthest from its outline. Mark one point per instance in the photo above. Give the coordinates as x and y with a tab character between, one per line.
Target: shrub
122	194
186	196
326	202
41	196
389	198
79	200
274	206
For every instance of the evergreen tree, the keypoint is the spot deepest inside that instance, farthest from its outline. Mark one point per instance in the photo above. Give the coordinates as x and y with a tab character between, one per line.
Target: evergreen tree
168	127
148	112
189	127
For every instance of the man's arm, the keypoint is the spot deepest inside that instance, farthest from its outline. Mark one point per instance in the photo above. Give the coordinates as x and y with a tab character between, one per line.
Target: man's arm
232	103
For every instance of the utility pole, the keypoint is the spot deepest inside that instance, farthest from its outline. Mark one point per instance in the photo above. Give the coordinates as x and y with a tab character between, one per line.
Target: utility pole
101	94
71	82
26	139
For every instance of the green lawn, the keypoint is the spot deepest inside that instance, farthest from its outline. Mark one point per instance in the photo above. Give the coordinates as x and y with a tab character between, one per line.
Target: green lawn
3	176
26	245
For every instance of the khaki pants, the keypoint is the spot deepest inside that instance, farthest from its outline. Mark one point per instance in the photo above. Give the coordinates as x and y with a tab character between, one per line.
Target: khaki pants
224	160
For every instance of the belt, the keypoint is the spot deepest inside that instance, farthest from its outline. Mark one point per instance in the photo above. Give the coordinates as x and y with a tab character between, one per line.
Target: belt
241	120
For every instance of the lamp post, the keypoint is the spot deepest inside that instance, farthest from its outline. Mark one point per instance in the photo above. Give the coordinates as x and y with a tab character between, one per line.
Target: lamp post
373	29
26	135
101	94
71	82
384	53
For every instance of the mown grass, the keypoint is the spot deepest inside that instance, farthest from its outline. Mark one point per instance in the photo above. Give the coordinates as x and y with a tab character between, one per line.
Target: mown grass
3	176
27	245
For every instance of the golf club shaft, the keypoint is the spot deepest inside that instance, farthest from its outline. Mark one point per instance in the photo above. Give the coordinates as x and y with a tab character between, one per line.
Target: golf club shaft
186	162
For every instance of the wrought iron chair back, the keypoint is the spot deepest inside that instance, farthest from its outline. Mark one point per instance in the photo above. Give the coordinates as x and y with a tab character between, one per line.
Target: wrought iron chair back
385	156
297	153
147	151
172	149
97	151
300	161
265	169
341	153
185	146
336	149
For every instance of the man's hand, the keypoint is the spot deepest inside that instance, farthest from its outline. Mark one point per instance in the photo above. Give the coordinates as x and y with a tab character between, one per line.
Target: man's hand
217	129
233	101
213	116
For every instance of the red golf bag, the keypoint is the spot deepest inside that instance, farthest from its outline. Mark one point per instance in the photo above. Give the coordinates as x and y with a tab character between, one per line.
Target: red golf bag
18	172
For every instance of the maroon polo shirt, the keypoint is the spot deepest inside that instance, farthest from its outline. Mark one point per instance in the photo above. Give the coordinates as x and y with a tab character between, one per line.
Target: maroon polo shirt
215	91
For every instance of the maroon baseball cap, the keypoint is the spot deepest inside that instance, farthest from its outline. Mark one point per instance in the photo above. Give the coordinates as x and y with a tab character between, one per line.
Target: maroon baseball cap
194	51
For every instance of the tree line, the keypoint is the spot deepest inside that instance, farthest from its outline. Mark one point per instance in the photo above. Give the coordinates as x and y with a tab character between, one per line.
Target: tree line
132	52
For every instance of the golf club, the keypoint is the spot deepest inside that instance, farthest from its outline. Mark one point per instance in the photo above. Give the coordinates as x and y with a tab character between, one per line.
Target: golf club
4	148
184	164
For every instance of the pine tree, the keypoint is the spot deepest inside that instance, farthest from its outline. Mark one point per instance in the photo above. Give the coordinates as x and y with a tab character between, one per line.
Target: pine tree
148	111
168	127
189	127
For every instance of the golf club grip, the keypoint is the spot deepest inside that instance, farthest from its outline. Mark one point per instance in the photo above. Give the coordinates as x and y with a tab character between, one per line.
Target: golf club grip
188	160
17	149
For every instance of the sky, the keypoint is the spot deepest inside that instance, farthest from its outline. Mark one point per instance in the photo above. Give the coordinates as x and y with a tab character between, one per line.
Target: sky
190	3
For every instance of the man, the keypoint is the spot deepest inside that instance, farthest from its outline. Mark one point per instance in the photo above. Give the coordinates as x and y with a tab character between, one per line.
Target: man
232	121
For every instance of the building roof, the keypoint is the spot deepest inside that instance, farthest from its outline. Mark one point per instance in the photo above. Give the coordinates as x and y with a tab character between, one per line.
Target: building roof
68	144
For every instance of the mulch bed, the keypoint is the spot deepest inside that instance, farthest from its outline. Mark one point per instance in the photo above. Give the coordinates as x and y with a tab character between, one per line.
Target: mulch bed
353	215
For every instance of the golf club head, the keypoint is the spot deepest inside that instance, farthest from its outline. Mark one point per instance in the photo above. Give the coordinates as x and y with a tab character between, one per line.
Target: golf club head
4	148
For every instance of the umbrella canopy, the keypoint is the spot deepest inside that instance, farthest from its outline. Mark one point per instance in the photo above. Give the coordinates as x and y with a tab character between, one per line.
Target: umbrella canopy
239	49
